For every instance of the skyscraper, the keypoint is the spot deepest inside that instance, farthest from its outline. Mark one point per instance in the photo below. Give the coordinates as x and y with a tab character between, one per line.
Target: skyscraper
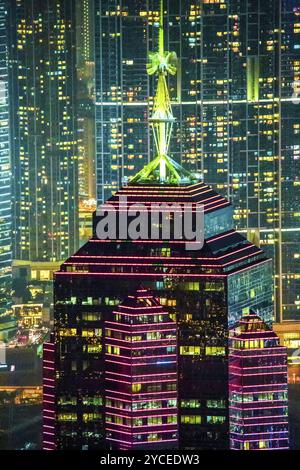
205	291
85	21
43	129
141	368
5	168
258	401
237	122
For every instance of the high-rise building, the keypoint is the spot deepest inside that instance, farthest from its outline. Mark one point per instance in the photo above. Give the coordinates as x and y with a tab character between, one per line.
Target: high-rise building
237	120
85	38
258	402
5	168
141	368
205	290
43	129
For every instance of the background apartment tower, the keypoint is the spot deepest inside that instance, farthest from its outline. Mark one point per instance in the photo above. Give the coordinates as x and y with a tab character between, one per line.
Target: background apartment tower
85	45
43	129
5	168
237	122
205	291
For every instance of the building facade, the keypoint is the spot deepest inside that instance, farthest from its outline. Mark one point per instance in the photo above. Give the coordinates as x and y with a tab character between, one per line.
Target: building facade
258	390
42	58
204	287
5	169
204	292
141	375
85	45
237	120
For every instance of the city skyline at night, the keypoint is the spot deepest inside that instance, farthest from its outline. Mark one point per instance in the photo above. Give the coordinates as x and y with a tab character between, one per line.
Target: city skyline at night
104	387
149	226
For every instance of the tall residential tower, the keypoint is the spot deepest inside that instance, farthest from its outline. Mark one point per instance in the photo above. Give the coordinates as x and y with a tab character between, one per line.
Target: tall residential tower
43	129
5	168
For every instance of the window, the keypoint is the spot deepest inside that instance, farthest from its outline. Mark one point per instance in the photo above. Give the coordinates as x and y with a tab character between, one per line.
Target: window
92	401
91	316
172	419
214	286
215	404
216	419
91	417
215	351
137	422
67	332
113	350
94	348
154	420
67	417
191	286
136	387
190	403
190	350
191	419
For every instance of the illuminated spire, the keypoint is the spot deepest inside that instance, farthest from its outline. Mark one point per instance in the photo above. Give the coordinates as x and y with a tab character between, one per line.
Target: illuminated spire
162	168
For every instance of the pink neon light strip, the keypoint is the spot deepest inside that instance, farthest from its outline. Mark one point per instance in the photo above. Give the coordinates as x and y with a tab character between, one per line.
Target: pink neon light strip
152	326
141	442
71	273
144	375
164	258
167	263
143	341
140	432
127	414
171	344
160	356
144	393
142	382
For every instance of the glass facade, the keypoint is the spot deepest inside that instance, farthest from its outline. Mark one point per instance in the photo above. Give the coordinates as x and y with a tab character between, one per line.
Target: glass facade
196	289
42	57
5	169
141	375
85	67
258	401
236	120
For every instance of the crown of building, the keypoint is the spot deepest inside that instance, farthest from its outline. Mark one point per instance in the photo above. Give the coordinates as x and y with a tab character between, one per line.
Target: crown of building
163	169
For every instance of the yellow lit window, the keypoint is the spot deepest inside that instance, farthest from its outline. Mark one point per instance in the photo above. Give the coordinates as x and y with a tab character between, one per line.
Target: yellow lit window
190	350
191	419
215	351
136	387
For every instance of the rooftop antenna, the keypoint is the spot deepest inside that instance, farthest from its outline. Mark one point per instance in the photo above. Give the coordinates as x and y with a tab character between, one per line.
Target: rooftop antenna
163	168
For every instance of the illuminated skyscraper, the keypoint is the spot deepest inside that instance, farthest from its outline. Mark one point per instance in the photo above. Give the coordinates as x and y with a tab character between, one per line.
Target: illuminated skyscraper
258	402
85	38
43	130
236	120
5	168
204	291
141	368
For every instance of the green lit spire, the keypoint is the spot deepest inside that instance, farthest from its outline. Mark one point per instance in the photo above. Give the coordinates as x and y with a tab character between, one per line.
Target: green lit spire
162	168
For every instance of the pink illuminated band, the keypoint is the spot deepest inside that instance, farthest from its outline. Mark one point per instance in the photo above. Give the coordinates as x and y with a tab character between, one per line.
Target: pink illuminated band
142	432
144	375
